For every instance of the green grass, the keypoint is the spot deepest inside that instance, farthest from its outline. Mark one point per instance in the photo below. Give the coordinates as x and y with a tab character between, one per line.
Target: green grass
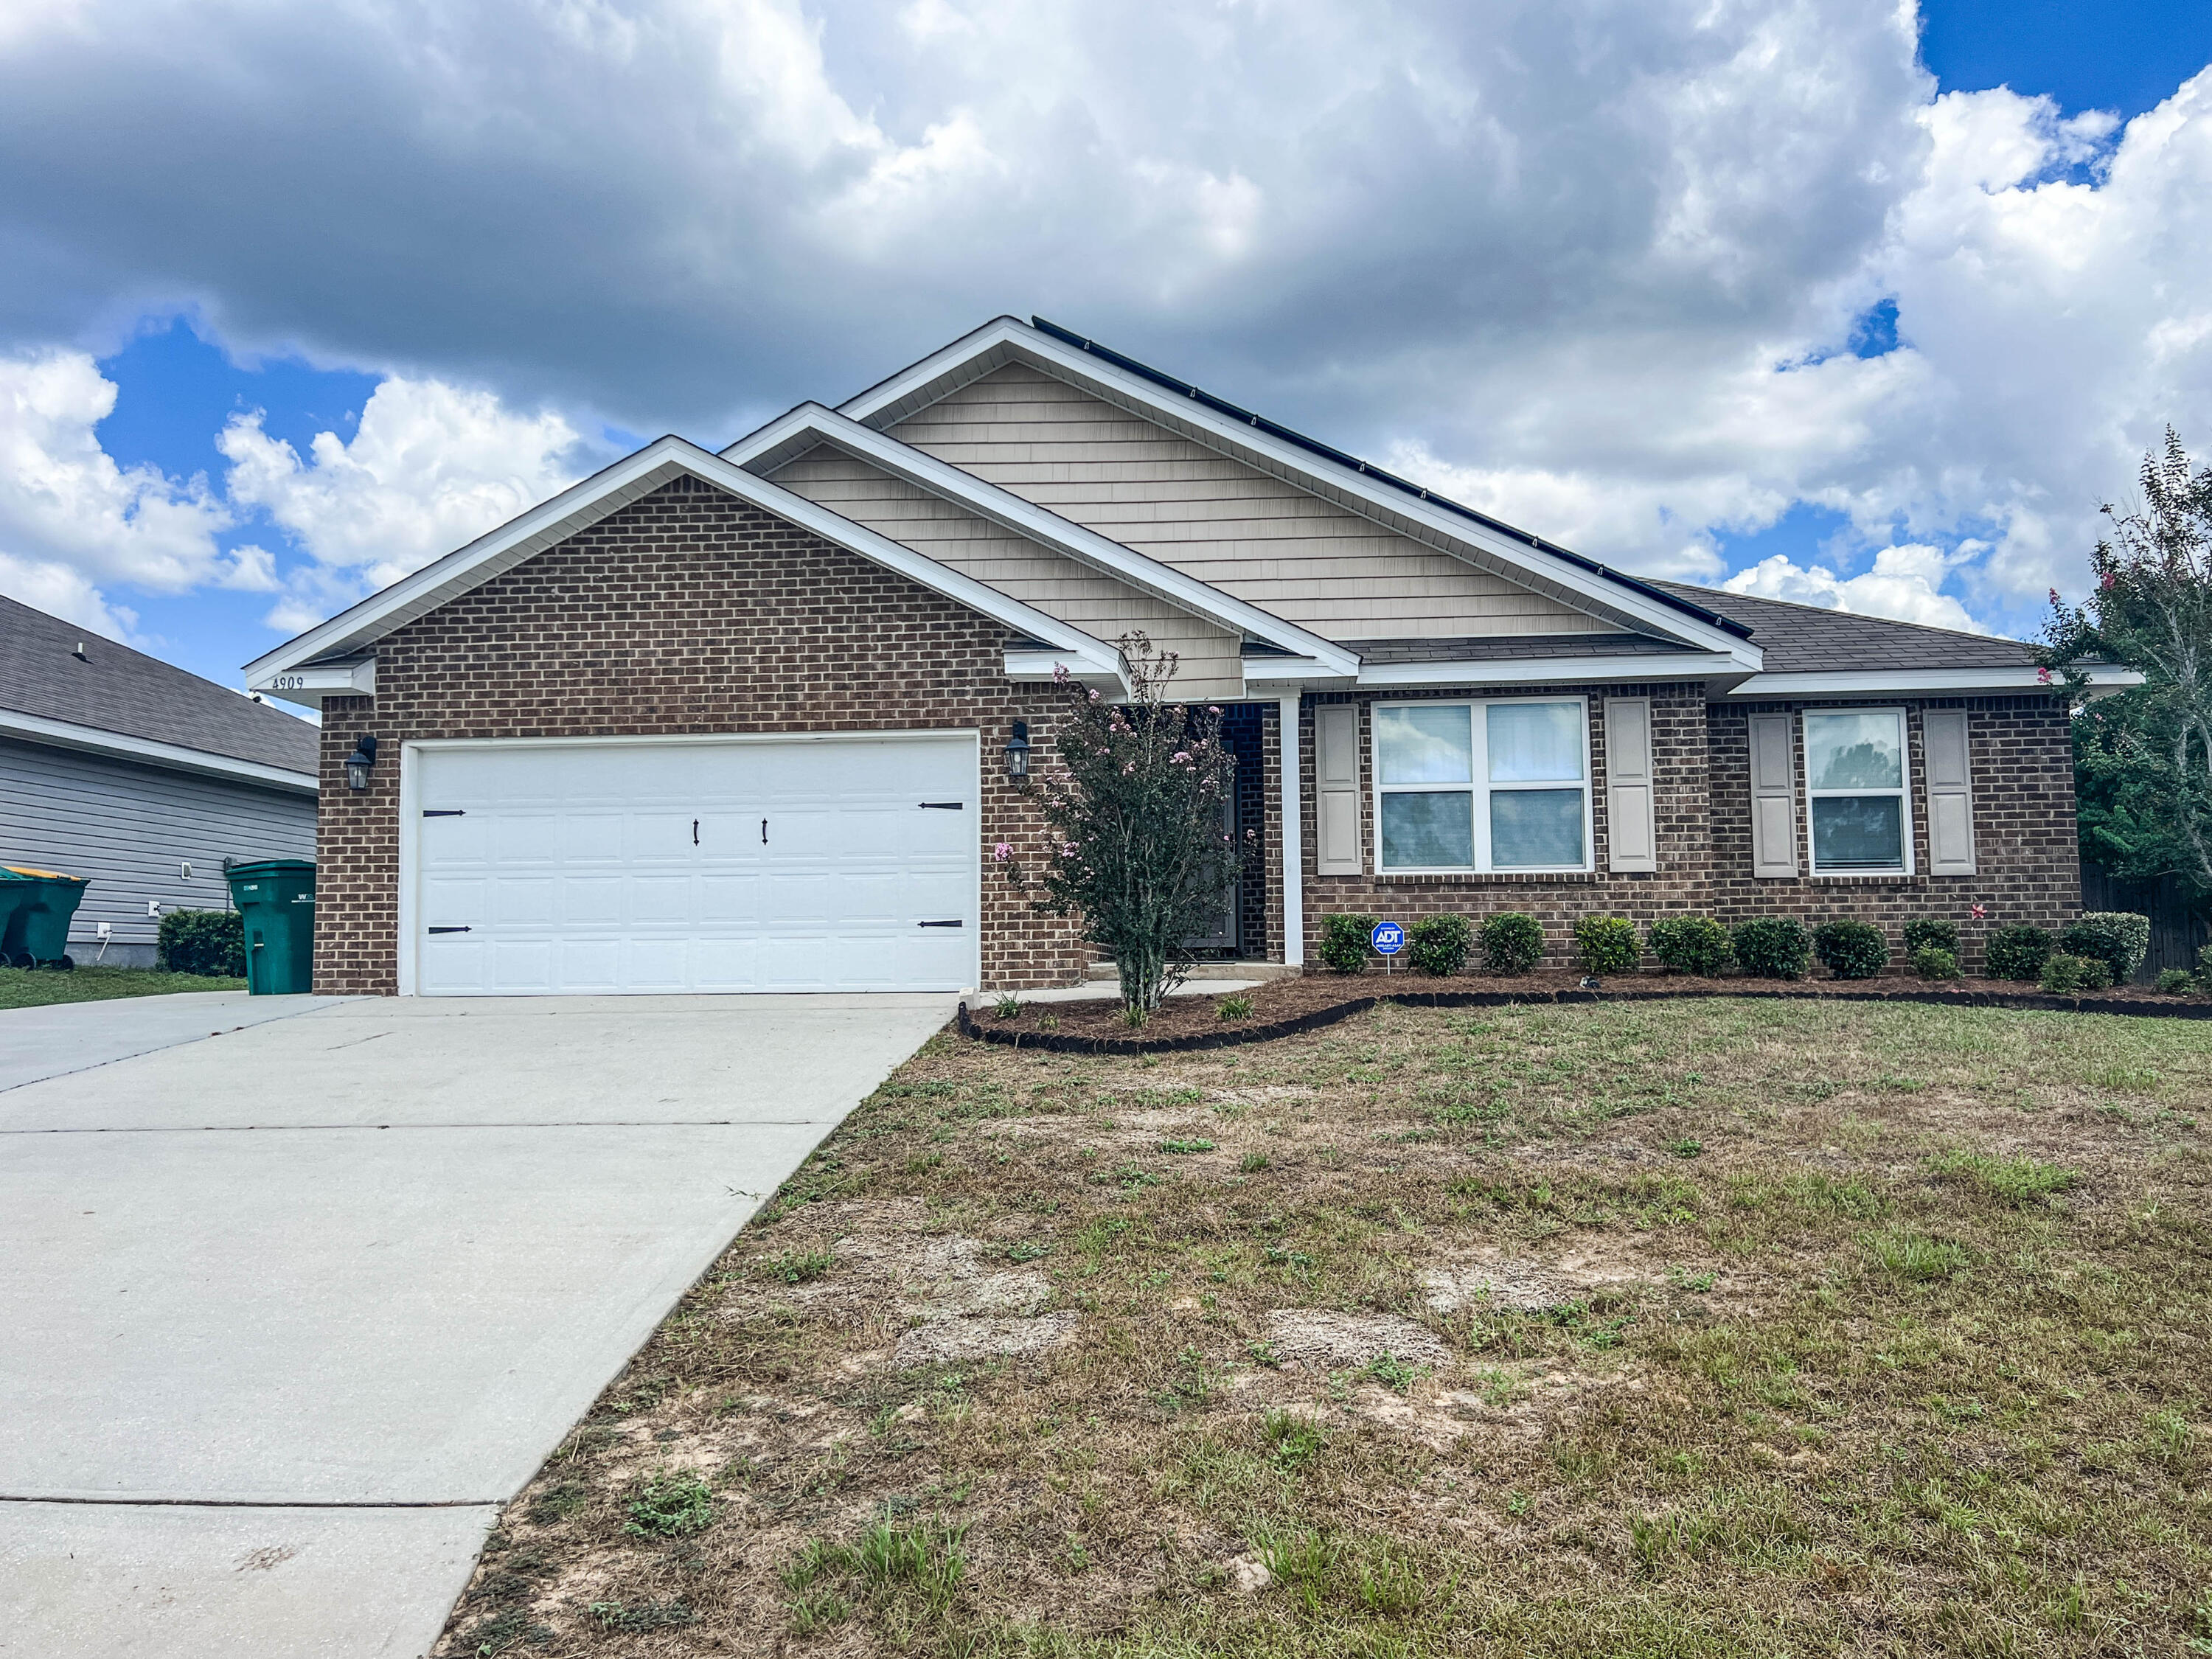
38	987
1909	1357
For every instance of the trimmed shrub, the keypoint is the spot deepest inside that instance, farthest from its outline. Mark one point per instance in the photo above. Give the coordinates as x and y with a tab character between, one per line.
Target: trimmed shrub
1930	933
1772	947
1933	962
202	942
1344	943
2017	953
1691	945
2065	973
2177	981
1850	950
1439	944
1512	942
1607	945
2119	938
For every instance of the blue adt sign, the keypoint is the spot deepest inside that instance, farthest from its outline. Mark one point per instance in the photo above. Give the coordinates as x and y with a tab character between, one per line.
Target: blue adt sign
1387	938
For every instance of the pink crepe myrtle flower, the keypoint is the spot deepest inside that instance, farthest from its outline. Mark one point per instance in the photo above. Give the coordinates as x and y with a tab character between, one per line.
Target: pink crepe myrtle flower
2044	675
1180	757
1002	852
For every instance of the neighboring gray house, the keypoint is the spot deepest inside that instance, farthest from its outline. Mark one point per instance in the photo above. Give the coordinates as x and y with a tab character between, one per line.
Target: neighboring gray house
140	776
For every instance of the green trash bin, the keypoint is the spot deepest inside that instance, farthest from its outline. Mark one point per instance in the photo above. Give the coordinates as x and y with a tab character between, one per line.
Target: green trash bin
39	905
276	899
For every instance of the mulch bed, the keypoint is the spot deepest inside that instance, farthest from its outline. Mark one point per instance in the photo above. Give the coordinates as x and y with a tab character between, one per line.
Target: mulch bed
1284	1007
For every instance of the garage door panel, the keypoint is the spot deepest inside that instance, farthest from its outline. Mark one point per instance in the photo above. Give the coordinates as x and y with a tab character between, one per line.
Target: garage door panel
578	869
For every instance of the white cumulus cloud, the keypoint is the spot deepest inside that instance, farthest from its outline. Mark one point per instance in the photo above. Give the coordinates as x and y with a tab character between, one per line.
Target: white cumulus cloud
1905	583
429	468
65	504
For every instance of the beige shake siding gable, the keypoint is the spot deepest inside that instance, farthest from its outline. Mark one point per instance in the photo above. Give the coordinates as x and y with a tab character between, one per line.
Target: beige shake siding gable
1257	537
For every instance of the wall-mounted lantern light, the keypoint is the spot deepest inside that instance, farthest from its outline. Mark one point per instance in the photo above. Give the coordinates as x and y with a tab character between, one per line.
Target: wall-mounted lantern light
1018	753
359	763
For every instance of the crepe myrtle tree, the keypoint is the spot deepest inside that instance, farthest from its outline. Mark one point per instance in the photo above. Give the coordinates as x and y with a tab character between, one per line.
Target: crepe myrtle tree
2143	757
1133	812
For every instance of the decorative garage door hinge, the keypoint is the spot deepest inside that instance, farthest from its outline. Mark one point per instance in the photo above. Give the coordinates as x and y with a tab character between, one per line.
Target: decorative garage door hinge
449	930
943	805
938	924
443	812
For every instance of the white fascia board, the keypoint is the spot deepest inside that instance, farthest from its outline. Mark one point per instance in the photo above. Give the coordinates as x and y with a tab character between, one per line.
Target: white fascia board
1032	666
175	758
1040	524
1005	340
1529	670
583	504
1923	682
308	686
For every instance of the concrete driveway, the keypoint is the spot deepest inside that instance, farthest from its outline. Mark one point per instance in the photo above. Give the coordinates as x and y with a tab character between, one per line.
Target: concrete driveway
291	1308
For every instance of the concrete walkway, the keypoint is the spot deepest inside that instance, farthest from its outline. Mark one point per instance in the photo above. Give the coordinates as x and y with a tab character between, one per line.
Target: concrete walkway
292	1309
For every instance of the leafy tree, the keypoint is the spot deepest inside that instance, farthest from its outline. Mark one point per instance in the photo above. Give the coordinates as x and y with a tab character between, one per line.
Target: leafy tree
2143	755
1133	819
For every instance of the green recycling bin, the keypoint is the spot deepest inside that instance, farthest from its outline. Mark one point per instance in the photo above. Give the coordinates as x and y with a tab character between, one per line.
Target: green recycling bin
39	905
276	899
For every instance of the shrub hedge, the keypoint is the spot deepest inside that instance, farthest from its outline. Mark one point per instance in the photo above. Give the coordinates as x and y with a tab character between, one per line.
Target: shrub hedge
2119	938
2066	973
2017	953
1772	947
202	942
1439	944
1931	934
1691	945
1850	950
1607	945
1512	942
1344	943
1933	962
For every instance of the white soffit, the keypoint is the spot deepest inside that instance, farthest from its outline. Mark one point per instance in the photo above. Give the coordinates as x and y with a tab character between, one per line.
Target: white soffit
1925	682
792	434
1006	339
584	504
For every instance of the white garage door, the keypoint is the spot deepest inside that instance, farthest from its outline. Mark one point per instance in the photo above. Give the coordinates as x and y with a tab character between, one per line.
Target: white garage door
849	864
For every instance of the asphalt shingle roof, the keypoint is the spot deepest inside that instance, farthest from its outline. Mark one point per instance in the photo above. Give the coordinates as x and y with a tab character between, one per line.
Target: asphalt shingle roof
125	692
1802	639
1508	647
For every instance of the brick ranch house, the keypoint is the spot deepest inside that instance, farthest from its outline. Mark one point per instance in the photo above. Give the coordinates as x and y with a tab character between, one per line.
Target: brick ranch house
739	721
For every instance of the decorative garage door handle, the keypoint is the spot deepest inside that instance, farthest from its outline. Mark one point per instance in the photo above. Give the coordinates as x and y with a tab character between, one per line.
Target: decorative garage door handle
443	812
943	805
938	924
449	930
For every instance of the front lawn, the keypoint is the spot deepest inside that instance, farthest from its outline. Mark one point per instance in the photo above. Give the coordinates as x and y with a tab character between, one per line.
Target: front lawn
29	987
1721	1327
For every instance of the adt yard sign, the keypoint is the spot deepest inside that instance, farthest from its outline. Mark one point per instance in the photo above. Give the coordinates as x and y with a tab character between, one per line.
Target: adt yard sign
1387	938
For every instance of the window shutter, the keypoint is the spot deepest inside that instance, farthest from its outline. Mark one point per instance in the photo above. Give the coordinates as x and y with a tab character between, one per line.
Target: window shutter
1336	789
1632	827
1950	792
1774	797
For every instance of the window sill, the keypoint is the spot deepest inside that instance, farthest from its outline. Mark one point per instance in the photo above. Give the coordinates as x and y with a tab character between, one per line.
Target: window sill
1484	878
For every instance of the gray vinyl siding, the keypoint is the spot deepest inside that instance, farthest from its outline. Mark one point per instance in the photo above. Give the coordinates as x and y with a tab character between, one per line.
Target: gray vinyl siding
1258	536
131	829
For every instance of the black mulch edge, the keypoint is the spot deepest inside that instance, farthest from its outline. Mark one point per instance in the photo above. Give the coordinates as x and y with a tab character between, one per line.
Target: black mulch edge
1236	1036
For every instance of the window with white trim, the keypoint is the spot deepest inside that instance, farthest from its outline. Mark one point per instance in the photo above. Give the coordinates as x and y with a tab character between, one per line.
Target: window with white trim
1855	768
1500	785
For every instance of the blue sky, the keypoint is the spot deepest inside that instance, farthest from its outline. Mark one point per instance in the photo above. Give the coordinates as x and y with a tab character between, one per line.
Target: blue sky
296	340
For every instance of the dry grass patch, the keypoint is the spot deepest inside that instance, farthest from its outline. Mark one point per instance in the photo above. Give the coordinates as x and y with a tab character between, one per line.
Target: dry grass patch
1686	1328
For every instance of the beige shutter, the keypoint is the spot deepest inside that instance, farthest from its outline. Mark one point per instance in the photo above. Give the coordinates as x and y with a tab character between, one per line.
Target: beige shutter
1950	792
1336	789
1774	797
1632	827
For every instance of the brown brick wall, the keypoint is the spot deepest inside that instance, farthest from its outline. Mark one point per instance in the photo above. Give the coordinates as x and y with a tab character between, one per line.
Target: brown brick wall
686	611
2024	830
1682	882
2029	865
